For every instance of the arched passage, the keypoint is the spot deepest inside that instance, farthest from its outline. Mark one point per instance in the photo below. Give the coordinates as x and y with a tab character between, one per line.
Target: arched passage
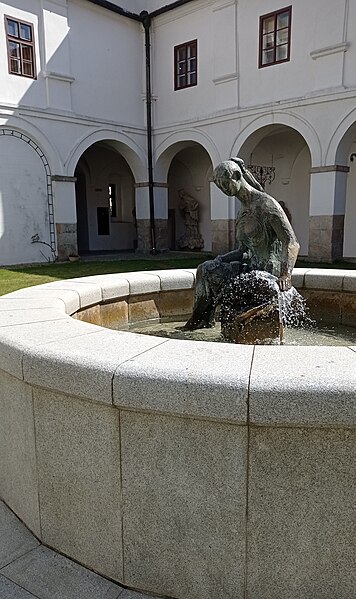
105	200
284	154
190	170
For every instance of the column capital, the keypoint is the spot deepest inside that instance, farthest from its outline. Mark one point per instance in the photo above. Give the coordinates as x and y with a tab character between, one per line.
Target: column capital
155	184
340	168
63	178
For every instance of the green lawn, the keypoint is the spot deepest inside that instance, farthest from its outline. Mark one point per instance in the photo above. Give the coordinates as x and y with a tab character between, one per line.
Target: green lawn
15	277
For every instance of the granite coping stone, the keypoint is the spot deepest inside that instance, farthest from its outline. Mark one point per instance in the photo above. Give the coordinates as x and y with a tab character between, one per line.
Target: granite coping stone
9	318
308	386
112	285
69	297
175	279
349	283
298	277
23	303
141	282
329	279
89	293
187	378
85	367
16	340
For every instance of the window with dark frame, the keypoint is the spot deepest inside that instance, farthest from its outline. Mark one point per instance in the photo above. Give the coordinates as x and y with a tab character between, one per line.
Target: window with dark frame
185	65
275	37
20	48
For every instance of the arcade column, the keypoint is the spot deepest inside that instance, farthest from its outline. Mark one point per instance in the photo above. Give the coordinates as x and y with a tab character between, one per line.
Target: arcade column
142	206
224	210
65	215
327	212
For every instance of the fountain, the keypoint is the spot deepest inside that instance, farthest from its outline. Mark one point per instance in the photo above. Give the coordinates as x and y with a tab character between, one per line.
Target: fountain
182	468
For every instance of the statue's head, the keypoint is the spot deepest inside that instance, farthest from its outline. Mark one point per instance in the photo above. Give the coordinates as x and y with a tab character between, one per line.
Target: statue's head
227	176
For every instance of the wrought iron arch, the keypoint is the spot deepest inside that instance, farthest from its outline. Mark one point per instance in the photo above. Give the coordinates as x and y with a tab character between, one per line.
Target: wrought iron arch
17	134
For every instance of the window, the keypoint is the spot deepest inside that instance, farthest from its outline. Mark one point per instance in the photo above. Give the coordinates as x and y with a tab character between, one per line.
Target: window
112	200
20	48
185	65
275	37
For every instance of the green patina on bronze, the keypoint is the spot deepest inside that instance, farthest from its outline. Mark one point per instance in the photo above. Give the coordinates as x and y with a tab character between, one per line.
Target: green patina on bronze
265	241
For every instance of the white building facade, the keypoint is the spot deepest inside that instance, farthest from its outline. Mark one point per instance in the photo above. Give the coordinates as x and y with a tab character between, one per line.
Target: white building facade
271	82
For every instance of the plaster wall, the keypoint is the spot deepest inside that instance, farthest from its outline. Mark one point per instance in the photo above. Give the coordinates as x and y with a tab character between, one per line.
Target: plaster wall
228	39
194	21
23	207
315	26
15	90
73	73
108	76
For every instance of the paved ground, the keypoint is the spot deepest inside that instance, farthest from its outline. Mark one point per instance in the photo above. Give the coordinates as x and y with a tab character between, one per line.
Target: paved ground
28	569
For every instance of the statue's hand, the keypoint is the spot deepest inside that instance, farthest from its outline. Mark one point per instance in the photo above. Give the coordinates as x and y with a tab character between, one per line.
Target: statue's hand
284	282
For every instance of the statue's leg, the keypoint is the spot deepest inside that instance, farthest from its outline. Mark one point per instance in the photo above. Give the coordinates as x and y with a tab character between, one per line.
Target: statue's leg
203	308
210	277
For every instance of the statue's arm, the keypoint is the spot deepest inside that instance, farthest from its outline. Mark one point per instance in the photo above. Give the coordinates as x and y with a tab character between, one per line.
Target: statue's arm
290	247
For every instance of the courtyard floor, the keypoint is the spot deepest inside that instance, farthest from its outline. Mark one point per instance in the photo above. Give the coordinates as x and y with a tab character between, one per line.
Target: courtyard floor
28	569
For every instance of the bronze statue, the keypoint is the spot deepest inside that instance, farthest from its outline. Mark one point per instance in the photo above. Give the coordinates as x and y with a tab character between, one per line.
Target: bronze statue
265	242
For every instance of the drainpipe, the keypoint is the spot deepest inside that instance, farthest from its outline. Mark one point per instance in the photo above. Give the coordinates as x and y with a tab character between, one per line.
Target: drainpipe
146	22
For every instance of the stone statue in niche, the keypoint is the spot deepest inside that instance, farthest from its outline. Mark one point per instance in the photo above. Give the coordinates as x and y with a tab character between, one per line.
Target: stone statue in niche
266	244
189	207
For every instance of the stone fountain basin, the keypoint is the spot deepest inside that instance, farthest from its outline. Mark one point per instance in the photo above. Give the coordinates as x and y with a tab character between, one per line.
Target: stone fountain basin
186	469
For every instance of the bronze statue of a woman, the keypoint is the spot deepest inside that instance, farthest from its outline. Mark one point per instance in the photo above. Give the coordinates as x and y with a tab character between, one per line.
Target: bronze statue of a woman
265	242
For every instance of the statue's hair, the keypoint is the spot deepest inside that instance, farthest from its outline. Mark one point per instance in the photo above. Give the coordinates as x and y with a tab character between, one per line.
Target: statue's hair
225	170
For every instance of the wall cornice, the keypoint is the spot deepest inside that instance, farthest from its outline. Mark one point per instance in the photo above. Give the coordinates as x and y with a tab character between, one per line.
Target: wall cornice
334	49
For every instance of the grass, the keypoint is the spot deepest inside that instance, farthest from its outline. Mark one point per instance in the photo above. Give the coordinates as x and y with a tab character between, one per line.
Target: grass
18	277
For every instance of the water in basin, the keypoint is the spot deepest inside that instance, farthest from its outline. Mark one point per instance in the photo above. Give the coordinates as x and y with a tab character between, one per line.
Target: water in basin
318	334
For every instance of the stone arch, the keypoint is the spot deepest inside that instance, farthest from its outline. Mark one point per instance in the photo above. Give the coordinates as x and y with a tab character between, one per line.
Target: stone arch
129	149
105	194
254	132
341	139
185	163
174	143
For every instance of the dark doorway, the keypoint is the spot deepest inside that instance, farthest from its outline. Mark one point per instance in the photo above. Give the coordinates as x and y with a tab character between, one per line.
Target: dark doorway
82	211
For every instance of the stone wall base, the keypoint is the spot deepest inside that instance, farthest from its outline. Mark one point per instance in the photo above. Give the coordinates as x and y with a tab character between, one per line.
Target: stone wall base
223	236
326	237
144	235
66	240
